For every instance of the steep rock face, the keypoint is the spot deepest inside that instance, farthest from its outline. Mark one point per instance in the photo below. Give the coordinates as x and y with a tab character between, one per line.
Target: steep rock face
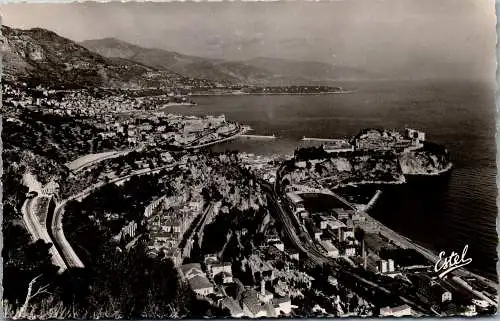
423	163
41	56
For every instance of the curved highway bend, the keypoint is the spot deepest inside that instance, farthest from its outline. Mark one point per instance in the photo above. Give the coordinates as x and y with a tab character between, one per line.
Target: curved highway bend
38	232
56	226
72	260
308	248
98	158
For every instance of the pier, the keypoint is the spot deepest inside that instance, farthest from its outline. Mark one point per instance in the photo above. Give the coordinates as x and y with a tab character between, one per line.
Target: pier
373	200
259	136
327	140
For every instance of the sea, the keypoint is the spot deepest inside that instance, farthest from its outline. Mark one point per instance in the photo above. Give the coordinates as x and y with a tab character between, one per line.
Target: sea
442	214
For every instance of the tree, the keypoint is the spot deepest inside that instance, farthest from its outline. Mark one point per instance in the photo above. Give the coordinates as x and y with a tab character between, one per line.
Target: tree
30	295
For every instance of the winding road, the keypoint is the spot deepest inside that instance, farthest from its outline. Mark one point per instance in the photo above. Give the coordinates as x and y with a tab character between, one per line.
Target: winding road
37	231
71	258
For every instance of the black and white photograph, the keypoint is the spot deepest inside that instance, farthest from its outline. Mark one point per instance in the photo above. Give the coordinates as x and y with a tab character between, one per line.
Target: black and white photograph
232	159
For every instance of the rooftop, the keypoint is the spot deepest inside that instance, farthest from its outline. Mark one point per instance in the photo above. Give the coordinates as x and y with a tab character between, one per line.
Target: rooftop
251	300
294	197
186	268
401	308
199	282
233	306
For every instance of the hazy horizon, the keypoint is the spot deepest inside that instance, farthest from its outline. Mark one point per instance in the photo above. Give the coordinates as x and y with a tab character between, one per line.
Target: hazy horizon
397	39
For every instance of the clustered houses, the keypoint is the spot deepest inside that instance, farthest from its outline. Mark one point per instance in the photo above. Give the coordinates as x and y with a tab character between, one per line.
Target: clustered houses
334	231
431	290
106	112
252	303
162	129
16	96
215	268
168	221
374	139
167	129
338	146
127	232
199	131
83	102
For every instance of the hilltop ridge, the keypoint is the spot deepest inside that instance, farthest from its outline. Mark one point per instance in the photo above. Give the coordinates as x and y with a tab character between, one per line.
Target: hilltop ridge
256	71
41	56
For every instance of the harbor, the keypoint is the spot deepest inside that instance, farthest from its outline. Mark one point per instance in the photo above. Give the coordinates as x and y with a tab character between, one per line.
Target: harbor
258	136
325	140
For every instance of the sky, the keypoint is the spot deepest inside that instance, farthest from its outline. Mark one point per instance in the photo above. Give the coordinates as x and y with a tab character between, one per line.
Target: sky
395	38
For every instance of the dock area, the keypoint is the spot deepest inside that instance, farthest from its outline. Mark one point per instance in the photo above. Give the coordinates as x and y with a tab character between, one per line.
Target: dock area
326	140
373	201
259	136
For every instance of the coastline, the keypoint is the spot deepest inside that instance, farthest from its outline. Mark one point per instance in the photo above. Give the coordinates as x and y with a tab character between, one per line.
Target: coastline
398	182
405	242
443	171
242	131
177	104
271	94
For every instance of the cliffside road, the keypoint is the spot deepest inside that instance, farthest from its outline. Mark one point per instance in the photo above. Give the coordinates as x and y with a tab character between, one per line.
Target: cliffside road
37	231
72	260
70	256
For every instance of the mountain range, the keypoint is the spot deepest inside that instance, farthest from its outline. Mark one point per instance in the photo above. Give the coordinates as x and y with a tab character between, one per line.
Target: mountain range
41	56
257	71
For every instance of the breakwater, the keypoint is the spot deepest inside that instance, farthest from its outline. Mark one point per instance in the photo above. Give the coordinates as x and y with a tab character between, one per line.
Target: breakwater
327	140
259	136
373	201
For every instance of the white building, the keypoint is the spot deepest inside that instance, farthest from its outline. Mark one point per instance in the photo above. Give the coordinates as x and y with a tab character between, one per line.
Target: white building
282	305
383	266
390	265
264	295
350	251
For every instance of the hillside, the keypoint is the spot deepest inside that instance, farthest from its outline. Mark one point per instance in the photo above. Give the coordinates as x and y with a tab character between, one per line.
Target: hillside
190	66
308	71
41	56
259	71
